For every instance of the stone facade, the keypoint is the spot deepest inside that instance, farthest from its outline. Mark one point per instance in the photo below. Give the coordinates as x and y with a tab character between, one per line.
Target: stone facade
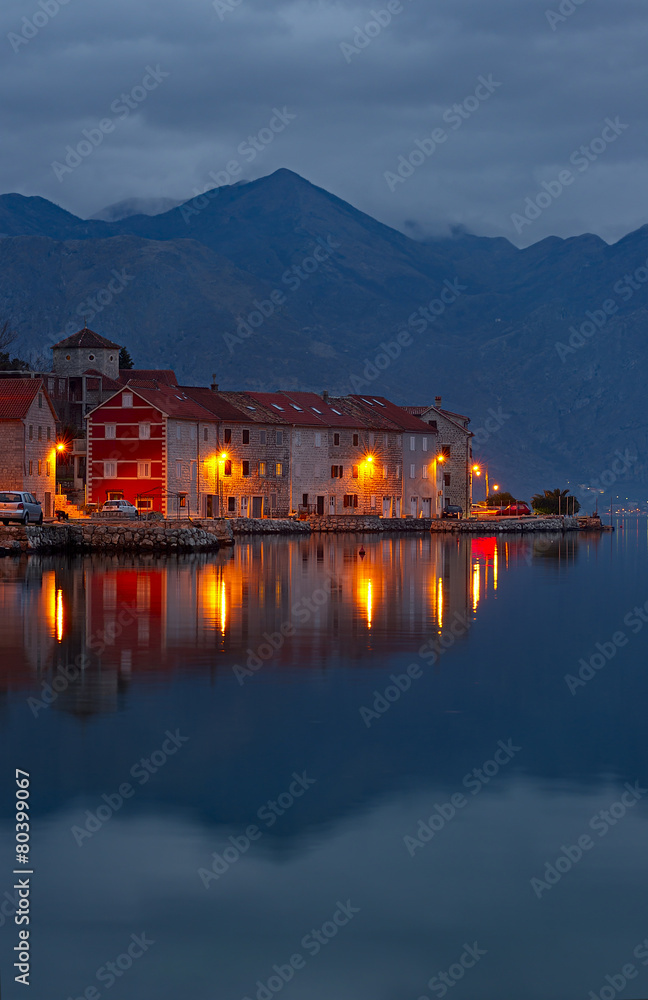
83	350
453	442
28	452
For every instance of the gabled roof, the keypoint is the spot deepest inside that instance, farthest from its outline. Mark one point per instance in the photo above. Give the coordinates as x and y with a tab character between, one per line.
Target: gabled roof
454	418
172	401
18	394
217	403
163	376
86	338
386	410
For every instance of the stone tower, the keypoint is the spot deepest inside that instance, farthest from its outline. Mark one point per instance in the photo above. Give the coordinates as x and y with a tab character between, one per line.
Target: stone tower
86	350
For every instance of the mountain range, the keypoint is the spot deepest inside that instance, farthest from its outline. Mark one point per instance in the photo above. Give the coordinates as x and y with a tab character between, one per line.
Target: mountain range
276	283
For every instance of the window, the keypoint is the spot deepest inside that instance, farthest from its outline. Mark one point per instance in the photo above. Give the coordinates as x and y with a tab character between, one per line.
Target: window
425	440
273	501
279	469
356	440
111	430
68	357
384	471
31	432
433	424
91	357
48	468
297	437
318	439
143	470
262	437
110	470
145	504
337	471
178	470
398	471
40	433
446	478
194	471
49	433
373	501
192	432
355	471
246	468
231	505
227	435
227	469
40	400
424	473
350	500
445	450
246	436
127	399
179	432
412	443
40	467
412	471
262	468
205	434
31	468
279	437
336	439
144	431
386	440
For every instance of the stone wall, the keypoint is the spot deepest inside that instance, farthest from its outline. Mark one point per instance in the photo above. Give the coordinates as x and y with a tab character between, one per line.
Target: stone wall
268	526
118	536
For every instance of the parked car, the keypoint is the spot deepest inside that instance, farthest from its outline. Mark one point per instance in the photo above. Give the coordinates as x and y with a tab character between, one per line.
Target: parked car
15	505
483	510
515	509
120	508
452	510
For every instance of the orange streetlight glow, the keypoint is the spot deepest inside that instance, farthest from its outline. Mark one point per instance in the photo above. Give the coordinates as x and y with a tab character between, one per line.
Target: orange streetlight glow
440	458
224	454
60	446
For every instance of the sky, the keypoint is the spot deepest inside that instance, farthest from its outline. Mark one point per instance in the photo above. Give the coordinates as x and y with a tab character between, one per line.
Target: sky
427	114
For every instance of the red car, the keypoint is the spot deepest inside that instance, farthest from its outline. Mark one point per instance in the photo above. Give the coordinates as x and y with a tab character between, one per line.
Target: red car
515	509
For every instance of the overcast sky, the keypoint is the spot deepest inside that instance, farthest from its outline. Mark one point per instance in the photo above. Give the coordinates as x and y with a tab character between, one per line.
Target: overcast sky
553	83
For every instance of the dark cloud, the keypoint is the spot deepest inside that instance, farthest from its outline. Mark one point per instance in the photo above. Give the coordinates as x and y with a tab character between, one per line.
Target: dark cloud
356	113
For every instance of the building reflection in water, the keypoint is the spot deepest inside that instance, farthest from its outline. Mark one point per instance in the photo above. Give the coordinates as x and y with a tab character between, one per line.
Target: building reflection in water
298	604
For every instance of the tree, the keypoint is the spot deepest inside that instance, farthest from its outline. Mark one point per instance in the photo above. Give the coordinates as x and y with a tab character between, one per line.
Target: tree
501	499
555	502
125	360
7	337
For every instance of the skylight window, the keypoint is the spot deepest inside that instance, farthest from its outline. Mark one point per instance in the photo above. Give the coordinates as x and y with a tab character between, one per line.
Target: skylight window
295	407
277	407
315	410
336	411
251	407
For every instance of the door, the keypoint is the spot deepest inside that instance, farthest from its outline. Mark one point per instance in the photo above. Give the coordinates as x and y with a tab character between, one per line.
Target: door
426	505
398	507
257	506
331	505
48	505
244	506
386	506
210	506
320	506
413	506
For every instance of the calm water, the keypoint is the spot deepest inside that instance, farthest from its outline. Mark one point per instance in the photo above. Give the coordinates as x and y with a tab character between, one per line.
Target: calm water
165	648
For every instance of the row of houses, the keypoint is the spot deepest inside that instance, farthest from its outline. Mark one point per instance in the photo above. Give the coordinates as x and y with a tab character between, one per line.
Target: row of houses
190	450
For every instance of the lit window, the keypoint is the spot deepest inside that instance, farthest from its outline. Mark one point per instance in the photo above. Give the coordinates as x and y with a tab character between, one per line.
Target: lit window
127	399
111	430
227	470
40	467
262	468
279	469
144	431
143	470
110	470
355	471
48	468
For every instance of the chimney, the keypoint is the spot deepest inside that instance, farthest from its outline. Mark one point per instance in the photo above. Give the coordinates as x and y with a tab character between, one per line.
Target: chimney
214	385
325	396
437	402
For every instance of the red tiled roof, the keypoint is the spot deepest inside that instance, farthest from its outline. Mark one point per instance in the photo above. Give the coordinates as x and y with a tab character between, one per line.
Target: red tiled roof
172	401
385	410
454	417
86	338
18	394
164	376
218	403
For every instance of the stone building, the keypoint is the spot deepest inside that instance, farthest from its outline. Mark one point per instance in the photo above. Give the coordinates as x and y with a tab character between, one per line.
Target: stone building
454	443
28	432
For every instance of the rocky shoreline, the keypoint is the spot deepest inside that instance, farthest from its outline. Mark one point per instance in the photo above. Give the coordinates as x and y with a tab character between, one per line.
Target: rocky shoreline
210	535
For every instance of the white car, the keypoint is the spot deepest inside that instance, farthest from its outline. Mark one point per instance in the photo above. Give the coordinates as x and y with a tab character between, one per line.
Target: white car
120	508
15	505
